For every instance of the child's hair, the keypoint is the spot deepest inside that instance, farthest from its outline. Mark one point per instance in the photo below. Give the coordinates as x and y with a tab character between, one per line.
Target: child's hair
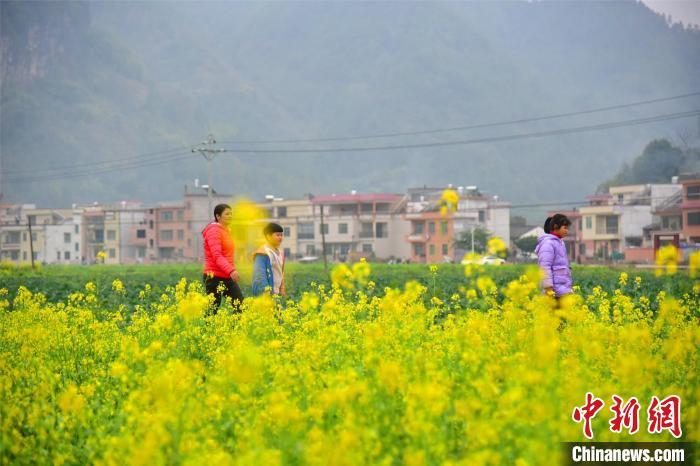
219	209
271	228
555	222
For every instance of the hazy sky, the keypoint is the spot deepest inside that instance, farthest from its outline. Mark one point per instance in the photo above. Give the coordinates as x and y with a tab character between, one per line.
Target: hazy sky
687	11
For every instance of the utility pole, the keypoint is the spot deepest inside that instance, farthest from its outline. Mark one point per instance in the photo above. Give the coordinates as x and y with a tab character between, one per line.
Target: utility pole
31	239
323	243
472	240
209	152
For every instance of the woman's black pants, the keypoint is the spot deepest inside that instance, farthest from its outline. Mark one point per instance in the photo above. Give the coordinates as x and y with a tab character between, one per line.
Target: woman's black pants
223	287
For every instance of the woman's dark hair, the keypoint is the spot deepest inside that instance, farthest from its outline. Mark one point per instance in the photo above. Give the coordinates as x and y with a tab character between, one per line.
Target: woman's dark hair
271	228
219	209
555	222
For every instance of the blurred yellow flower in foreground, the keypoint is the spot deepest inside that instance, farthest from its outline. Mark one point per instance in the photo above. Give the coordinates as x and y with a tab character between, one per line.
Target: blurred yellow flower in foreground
449	201
667	259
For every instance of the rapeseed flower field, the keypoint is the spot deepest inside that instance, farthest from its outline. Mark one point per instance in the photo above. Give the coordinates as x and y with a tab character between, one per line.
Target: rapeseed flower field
346	373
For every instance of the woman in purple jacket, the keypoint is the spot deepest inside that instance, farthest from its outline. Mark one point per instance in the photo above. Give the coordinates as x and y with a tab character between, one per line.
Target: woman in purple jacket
552	257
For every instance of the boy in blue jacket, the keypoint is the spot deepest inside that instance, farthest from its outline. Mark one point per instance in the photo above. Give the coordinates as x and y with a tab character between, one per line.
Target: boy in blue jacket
268	263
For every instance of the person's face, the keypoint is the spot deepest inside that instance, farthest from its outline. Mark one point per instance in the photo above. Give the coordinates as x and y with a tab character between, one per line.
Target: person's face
563	231
275	239
226	216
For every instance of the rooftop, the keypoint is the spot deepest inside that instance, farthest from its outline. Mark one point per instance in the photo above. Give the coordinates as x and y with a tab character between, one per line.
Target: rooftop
351	198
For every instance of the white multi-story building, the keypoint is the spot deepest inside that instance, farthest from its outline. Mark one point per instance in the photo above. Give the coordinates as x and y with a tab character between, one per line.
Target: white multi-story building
613	224
62	239
354	225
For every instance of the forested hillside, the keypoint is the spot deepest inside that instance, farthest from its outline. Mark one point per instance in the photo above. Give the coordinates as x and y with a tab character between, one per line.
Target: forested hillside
90	84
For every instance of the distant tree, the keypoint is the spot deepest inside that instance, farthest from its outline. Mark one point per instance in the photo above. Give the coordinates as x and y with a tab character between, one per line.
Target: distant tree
527	244
659	161
481	239
518	221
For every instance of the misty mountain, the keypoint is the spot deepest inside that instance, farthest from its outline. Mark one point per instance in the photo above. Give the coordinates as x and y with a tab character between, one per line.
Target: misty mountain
92	84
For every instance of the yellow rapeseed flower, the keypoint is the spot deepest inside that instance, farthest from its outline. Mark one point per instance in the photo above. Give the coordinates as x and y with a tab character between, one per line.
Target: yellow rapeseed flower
71	401
496	247
117	286
667	259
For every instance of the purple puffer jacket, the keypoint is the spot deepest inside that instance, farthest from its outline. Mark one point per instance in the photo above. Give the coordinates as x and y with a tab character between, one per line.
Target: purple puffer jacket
554	262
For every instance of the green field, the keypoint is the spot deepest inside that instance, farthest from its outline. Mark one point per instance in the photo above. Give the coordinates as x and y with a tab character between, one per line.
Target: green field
58	282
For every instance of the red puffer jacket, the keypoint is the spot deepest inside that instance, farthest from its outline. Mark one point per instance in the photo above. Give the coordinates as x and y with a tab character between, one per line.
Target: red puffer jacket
218	251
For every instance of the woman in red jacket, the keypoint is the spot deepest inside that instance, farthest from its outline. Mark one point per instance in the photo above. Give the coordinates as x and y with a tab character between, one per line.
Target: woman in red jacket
220	275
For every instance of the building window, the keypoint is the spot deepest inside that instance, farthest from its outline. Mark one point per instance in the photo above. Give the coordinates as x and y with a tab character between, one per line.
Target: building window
287	232
431	228
443	227
445	249
111	235
366	208
77	229
179	252
66	255
112	253
671	222
611	224
58	255
189	242
589	222
282	212
99	236
693	218
366	230
66	238
323	228
150	242
366	248
166	235
24	236
382	207
287	252
607	224
342	228
140	233
418	228
180	215
582	249
431	248
382	230
310	250
482	216
693	192
419	250
180	235
166	215
24	255
34	237
77	247
150	224
306	231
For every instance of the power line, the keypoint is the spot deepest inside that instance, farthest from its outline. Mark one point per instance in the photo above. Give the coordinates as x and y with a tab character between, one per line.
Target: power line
558	132
99	171
98	163
513	137
467	127
345	138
